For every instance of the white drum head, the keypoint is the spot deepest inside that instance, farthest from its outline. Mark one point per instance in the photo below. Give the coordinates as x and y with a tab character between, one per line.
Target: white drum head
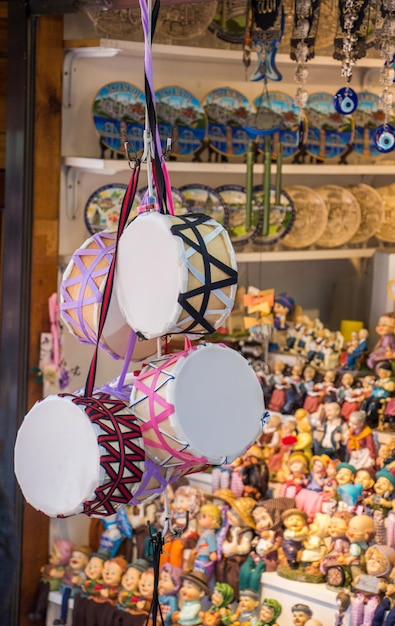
149	275
57	457
218	403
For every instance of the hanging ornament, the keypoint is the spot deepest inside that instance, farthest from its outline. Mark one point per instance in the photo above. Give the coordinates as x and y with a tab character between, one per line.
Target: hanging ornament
302	49
384	138
263	35
350	45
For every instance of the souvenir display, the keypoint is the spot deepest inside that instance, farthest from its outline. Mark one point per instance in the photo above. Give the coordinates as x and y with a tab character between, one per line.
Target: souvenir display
204	199
368	117
183	22
372	212
281	215
180	115
330	134
344	216
81	293
386	232
119	115
311	217
227	111
289	134
195	281
235	198
103	206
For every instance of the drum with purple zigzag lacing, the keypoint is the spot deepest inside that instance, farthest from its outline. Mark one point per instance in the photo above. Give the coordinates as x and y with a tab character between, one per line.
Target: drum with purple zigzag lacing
87	456
81	294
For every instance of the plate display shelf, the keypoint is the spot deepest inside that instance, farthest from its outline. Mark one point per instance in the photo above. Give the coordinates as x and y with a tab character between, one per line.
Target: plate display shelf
89	64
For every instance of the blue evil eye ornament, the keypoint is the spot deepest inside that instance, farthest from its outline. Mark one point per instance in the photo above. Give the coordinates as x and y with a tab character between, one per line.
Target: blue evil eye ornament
345	101
384	138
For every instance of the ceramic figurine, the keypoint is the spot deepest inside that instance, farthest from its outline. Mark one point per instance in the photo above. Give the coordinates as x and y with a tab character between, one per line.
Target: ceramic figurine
381	502
314	546
270	436
313	622
168	588
364	477
129	590
72	580
283	307
219	612
300	614
335	433
254	472
345	474
205	553
343	599
247	609
304	438
297	475
339	549
293	393
324	391
94	575
295	533
379	561
146	591
357	351
193	589
361	531
294	332
361	447
236	545
264	556
277	463
383	389
318	475
51	576
316	351
385	347
113	570
186	498
269	611
279	392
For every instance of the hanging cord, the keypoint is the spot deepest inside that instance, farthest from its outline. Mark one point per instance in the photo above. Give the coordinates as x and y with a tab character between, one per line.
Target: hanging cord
161	179
127	203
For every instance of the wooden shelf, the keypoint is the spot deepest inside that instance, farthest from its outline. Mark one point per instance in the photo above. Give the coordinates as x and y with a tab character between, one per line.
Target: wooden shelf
305	255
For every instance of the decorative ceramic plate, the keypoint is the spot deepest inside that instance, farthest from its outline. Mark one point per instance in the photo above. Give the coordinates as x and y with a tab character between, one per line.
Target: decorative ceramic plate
117	22
229	22
344	216
368	117
227	111
386	232
180	203
104	206
119	115
181	116
288	135
311	217
235	198
281	216
204	199
183	22
329	133
372	211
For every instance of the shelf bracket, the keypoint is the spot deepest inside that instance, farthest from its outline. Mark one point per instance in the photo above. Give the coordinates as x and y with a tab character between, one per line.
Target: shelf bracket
69	67
72	181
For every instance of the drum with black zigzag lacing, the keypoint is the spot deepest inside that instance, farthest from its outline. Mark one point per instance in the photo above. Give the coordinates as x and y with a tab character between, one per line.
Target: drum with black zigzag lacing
77	454
175	274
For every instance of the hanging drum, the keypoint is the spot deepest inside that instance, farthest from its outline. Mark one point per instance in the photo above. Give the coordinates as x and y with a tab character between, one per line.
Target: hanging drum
81	294
191	413
75	454
175	274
